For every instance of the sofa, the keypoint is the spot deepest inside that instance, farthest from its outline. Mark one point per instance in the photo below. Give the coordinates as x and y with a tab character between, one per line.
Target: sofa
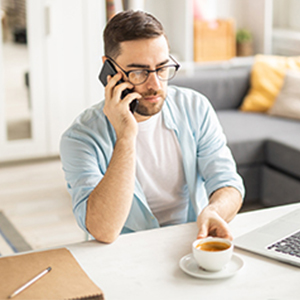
266	148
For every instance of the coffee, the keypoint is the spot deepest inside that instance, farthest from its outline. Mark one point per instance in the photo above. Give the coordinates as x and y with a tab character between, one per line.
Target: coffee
212	253
212	246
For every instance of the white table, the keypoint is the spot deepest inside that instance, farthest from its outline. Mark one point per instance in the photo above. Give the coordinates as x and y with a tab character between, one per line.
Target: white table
145	265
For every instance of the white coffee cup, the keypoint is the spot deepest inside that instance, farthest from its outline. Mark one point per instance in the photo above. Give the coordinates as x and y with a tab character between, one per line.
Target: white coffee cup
212	253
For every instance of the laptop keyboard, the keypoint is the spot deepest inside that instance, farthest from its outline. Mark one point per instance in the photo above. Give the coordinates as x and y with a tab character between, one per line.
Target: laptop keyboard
289	245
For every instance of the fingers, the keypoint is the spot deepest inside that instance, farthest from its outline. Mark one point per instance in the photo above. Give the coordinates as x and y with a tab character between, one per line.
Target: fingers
213	225
117	110
219	231
203	232
114	90
222	232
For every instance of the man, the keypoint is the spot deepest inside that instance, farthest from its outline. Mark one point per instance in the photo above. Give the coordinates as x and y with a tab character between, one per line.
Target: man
166	163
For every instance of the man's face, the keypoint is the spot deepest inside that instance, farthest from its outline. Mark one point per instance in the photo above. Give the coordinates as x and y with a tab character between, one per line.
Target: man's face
147	54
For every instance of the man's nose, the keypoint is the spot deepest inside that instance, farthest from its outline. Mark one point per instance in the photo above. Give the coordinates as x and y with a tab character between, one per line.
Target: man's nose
153	81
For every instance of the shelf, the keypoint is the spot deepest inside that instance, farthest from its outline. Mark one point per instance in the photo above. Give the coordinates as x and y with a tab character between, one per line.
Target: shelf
286	42
286	34
190	68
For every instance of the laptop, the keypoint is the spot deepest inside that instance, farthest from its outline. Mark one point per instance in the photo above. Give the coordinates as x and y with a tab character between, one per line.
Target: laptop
279	239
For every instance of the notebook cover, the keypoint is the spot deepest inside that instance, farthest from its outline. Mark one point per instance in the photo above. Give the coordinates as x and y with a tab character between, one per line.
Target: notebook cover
66	280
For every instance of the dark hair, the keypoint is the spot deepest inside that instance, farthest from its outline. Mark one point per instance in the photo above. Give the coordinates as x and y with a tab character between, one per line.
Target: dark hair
129	25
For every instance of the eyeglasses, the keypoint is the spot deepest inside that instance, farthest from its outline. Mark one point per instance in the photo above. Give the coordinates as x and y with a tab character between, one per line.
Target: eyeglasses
139	76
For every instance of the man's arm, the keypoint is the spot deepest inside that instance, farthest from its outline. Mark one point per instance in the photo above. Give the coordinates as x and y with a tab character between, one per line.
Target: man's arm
223	205
222	182
109	203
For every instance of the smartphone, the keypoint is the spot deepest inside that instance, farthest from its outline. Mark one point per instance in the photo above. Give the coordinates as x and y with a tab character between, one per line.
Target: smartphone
109	69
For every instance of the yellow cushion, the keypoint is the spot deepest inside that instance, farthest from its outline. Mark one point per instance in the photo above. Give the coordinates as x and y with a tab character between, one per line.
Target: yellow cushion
267	78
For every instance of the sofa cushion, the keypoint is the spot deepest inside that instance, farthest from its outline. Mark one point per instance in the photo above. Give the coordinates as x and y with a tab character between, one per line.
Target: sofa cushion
252	181
267	78
278	188
283	154
247	133
287	103
224	87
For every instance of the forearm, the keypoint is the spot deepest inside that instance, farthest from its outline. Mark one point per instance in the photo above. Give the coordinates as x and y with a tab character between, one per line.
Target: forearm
109	204
226	202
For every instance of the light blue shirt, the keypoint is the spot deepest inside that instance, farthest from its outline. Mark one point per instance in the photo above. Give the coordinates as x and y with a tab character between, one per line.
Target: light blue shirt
87	147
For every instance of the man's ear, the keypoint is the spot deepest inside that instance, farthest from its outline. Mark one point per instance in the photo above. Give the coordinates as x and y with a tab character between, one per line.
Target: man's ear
104	58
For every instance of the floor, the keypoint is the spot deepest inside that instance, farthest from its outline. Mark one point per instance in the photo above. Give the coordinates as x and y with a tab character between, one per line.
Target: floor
33	196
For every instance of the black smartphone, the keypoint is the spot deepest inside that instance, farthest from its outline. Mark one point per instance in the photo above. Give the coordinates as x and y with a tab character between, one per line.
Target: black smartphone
109	69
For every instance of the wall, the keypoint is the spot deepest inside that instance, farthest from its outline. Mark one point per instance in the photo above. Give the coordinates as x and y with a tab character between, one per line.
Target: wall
65	49
74	49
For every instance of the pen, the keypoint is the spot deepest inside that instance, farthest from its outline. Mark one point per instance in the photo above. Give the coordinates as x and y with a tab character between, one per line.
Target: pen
29	283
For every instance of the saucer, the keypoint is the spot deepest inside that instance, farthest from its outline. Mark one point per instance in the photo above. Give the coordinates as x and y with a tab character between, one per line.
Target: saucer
189	265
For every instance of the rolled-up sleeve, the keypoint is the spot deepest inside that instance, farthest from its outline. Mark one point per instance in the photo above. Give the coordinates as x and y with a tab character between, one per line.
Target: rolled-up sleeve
85	149
82	173
215	162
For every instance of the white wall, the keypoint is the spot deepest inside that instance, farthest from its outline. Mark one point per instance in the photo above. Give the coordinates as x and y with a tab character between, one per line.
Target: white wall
65	50
294	14
281	13
74	50
254	15
176	17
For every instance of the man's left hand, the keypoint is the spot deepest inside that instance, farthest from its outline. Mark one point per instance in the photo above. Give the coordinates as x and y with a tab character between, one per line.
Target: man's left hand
211	224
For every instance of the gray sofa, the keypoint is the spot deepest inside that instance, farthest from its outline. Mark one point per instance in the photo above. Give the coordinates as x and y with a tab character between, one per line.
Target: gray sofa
266	148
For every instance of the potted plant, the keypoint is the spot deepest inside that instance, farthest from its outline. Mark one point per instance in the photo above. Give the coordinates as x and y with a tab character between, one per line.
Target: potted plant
244	43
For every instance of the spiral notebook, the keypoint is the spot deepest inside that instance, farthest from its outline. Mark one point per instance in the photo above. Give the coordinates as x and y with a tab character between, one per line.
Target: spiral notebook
66	280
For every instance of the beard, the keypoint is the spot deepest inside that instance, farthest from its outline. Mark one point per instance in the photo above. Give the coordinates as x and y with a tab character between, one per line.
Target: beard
146	108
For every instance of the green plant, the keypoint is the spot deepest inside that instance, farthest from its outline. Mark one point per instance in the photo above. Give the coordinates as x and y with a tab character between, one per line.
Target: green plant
243	36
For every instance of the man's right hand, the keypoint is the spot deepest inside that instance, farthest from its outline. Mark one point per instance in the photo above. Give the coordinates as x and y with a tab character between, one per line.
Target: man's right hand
117	109
109	204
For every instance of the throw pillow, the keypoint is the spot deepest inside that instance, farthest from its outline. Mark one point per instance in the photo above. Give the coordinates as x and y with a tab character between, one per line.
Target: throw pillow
267	78
287	103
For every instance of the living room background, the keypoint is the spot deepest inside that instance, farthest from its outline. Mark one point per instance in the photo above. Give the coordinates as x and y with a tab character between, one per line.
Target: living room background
65	48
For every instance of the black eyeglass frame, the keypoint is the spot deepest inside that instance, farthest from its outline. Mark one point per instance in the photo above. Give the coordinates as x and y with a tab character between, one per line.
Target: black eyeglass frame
176	65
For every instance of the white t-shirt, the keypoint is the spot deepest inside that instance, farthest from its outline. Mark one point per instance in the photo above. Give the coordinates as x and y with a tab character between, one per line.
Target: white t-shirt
159	169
